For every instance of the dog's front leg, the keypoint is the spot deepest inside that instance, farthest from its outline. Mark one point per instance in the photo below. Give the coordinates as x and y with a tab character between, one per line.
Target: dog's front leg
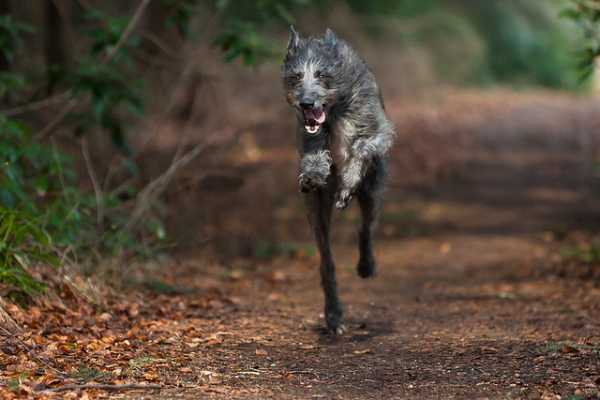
320	205
350	178
354	170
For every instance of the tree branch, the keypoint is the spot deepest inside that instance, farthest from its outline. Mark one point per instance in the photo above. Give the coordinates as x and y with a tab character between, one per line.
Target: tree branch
93	177
100	386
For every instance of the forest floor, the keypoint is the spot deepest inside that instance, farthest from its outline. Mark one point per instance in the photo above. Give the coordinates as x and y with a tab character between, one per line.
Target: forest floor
470	302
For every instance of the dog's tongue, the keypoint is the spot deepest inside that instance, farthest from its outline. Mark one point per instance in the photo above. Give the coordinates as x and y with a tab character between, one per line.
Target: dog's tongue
314	116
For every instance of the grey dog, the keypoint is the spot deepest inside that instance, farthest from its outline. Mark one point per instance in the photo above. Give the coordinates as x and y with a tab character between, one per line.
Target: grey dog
344	138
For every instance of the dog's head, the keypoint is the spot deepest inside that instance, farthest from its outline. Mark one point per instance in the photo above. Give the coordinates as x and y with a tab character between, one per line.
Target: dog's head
310	71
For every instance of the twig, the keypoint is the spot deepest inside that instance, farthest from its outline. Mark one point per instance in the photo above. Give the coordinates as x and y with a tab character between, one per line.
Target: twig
162	46
128	30
95	183
36	105
100	386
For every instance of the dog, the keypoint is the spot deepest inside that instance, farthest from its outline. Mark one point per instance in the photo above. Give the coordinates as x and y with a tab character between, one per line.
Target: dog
344	139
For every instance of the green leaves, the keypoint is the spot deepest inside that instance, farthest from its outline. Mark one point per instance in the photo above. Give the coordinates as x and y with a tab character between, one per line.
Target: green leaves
107	34
180	14
10	35
110	91
22	244
242	40
586	15
243	25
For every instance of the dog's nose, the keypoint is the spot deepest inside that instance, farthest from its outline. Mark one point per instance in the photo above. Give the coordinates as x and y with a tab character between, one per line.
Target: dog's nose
307	105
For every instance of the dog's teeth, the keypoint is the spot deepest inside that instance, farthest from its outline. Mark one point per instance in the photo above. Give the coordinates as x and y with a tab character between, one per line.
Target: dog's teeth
321	119
311	129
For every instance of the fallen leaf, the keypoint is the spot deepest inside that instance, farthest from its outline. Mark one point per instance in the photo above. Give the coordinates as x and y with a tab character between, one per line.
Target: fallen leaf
261	352
105	317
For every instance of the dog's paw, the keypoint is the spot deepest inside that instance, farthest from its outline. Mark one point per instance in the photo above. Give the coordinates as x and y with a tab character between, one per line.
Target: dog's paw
343	198
334	319
336	327
304	184
366	268
308	182
338	330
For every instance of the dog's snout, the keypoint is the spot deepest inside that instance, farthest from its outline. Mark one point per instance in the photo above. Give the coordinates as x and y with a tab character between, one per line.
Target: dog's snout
307	104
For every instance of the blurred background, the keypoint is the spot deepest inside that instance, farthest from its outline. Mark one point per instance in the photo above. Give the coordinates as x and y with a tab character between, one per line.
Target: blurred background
136	128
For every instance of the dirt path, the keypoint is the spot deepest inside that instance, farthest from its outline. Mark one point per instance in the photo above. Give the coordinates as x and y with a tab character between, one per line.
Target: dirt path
463	306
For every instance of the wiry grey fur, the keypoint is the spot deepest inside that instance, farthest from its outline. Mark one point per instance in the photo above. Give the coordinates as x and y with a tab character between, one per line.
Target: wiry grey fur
347	156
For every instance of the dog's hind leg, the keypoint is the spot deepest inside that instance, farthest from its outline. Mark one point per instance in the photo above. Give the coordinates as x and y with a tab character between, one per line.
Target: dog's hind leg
369	198
320	204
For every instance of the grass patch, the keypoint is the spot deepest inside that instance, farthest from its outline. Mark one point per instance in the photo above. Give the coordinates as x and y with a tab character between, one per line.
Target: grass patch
85	374
138	364
588	253
13	384
569	347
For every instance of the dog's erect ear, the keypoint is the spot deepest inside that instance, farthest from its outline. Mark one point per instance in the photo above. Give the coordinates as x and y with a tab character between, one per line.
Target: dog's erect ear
294	39
330	37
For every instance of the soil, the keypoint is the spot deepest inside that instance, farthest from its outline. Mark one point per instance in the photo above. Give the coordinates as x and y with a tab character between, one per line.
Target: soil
466	304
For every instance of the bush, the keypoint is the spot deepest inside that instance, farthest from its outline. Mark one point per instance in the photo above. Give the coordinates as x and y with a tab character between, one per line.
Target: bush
586	15
43	210
524	41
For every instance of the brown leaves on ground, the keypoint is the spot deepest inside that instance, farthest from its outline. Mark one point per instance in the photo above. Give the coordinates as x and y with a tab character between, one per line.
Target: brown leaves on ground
134	338
137	337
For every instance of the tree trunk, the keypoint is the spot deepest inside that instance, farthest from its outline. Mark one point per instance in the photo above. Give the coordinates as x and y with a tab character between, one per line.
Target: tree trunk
5	9
54	42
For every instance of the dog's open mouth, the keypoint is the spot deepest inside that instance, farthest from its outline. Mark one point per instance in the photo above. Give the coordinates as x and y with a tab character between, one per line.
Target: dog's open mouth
313	119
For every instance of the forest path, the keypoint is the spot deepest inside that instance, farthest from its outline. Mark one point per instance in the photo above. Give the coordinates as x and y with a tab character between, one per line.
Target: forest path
463	305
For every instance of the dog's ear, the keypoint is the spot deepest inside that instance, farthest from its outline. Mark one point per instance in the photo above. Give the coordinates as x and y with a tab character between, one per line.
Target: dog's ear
330	37
294	39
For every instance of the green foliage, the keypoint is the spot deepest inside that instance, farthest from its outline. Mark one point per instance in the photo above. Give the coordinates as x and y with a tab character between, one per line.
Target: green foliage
39	181
586	14
243	22
519	42
10	40
10	35
180	13
526	43
42	208
22	243
106	75
589	253
399	8
45	210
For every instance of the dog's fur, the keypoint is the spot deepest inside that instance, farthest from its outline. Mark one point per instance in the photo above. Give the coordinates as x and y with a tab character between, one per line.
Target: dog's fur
344	138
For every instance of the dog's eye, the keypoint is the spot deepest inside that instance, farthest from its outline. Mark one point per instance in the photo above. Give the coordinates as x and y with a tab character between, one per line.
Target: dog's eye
293	79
